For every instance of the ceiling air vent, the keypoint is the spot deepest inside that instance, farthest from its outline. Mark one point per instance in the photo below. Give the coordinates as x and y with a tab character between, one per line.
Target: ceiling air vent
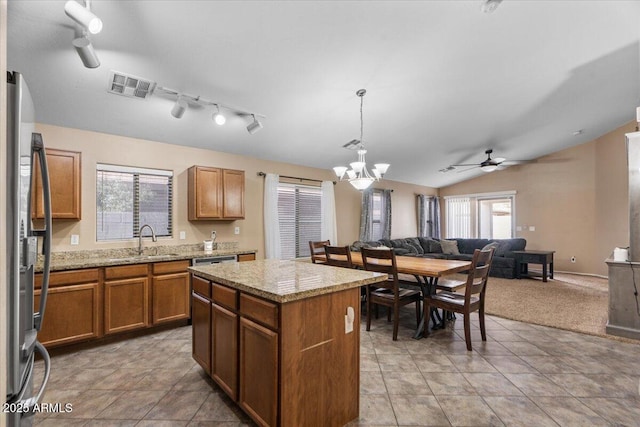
130	86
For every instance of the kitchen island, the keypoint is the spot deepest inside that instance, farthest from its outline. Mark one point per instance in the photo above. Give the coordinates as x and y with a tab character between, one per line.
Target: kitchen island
282	338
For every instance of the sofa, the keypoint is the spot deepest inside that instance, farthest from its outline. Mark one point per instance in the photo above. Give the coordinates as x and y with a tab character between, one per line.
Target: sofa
504	263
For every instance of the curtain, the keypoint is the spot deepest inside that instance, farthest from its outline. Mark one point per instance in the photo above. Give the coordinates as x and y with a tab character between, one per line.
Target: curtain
385	214
271	221
366	219
328	228
428	216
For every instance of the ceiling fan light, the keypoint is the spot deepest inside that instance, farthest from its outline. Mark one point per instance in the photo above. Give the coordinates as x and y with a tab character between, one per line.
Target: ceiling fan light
219	118
83	16
488	168
340	171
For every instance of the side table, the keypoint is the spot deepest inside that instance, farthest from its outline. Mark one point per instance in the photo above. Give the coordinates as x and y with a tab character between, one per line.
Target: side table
524	258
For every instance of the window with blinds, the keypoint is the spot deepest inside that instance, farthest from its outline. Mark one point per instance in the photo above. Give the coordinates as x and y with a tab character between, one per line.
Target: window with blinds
299	218
127	198
484	215
459	217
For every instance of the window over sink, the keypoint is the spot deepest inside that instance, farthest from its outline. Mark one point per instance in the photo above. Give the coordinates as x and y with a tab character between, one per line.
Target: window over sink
299	213
129	197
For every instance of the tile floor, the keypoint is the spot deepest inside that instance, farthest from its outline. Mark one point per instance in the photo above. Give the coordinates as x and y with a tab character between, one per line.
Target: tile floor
523	375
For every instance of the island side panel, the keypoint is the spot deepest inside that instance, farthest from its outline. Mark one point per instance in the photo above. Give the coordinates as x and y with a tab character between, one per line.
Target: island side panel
320	363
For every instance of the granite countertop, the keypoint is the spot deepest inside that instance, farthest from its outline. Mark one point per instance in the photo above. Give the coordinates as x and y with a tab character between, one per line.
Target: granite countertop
283	281
72	260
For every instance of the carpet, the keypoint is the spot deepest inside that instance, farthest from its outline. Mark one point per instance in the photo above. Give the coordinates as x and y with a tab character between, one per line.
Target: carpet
571	302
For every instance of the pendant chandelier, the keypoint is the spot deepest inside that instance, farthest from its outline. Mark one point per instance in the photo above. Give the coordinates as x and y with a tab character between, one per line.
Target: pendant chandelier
358	175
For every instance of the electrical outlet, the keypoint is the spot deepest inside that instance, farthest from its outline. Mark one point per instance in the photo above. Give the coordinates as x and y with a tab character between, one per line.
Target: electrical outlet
213	235
573	259
75	239
183	235
532	228
236	230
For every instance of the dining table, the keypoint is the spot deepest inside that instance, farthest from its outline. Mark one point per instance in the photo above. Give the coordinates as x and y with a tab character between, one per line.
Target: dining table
426	271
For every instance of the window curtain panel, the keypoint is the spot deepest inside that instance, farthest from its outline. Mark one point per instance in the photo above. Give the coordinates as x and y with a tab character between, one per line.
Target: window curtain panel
366	219
328	227
429	216
385	214
271	220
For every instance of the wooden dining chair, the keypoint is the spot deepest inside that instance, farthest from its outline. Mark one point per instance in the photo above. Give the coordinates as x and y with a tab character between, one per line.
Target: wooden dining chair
472	299
317	248
389	293
338	256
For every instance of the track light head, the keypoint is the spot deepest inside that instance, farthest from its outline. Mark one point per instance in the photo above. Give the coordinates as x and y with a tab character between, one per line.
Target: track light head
86	52
218	117
254	126
83	16
179	108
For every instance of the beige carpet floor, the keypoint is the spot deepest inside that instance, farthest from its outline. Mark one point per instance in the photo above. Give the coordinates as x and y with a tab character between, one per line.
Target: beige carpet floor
571	302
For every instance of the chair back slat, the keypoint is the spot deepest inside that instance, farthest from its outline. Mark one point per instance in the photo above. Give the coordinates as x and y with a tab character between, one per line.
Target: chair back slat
382	261
317	248
338	256
478	273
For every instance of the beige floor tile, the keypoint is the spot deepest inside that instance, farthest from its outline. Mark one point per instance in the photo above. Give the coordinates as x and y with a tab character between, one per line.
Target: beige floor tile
471	362
434	363
418	410
372	382
548	365
376	409
396	363
569	411
521	348
408	382
177	405
492	384
536	385
369	362
510	364
160	379
132	405
88	403
468	411
624	412
448	384
519	411
580	385
218	407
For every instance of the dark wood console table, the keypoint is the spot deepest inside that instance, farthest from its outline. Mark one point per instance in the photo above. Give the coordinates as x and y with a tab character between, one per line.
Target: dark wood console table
524	258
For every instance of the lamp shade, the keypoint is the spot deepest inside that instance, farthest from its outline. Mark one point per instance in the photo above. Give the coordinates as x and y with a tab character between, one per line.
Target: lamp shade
254	126
488	168
340	171
361	183
382	167
179	108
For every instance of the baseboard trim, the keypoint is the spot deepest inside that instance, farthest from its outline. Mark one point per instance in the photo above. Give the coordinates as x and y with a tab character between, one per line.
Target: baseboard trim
621	331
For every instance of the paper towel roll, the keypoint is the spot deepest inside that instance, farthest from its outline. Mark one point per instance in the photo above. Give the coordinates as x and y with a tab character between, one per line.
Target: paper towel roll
621	254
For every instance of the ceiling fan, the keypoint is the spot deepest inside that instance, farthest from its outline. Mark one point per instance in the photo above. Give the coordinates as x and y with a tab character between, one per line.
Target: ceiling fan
488	165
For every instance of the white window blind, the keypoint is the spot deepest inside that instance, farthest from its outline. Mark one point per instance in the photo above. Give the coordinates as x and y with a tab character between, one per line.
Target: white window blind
376	215
299	218
459	217
127	198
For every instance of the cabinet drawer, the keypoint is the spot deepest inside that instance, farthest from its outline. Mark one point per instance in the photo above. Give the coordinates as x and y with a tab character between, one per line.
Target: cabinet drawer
122	272
201	286
259	310
169	267
225	296
246	257
72	277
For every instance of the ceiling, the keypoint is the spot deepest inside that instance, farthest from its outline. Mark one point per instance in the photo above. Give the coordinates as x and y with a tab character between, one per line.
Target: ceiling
444	80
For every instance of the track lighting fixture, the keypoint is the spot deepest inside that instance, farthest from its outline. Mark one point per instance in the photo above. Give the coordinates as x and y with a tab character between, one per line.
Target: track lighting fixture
85	51
489	6
83	16
179	108
218	117
254	126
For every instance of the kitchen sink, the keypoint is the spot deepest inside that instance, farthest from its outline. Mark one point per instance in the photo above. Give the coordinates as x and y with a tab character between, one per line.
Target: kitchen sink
142	257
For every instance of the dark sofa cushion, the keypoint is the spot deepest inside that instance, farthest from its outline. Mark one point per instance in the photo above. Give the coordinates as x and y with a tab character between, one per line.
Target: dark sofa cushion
430	245
415	244
467	246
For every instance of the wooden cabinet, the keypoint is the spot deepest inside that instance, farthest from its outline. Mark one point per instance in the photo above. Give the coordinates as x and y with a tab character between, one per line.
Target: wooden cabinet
73	310
64	182
258	372
170	291
246	257
201	331
215	193
126	298
224	349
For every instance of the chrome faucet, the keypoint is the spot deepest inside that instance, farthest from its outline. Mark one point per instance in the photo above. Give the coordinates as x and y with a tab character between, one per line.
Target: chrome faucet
153	237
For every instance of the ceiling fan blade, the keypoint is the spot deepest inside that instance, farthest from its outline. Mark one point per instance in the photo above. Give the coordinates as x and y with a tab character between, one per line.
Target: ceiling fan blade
468	164
468	169
499	159
517	162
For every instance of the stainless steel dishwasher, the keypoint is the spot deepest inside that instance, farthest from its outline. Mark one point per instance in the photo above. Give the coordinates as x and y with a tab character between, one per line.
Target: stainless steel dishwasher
213	260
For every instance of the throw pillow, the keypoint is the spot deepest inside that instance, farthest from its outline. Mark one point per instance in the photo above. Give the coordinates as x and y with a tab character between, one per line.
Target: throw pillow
414	243
500	247
449	247
493	245
435	247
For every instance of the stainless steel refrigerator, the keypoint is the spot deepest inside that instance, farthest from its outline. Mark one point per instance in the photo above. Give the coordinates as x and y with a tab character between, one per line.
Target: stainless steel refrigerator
23	322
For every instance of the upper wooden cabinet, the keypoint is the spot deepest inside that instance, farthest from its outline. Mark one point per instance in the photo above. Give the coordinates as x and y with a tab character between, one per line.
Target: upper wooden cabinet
215	193
65	185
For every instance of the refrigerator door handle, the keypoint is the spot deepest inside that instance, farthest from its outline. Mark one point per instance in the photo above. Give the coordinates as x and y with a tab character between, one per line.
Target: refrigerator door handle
37	146
33	401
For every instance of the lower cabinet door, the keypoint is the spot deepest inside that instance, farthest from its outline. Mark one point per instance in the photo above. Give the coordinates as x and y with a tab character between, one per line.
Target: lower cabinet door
170	295
71	314
126	304
224	350
259	372
201	331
